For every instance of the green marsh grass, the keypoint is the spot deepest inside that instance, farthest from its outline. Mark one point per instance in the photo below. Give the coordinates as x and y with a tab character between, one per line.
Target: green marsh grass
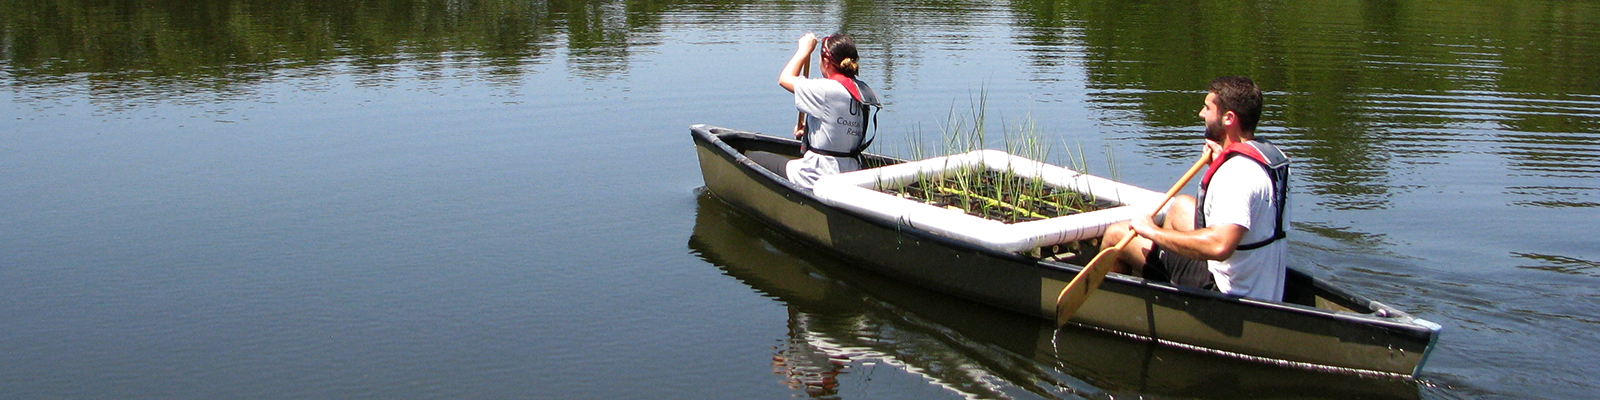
999	195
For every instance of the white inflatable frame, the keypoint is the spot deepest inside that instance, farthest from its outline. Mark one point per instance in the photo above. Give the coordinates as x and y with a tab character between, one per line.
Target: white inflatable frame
859	191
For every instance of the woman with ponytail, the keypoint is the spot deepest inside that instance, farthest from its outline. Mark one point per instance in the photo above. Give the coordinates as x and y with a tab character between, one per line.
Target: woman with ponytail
833	133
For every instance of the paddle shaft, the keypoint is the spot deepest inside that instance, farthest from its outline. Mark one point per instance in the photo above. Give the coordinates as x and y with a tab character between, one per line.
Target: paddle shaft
1089	278
800	123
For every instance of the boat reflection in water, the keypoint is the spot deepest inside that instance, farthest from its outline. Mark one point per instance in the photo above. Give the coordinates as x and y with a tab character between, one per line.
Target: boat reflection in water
841	317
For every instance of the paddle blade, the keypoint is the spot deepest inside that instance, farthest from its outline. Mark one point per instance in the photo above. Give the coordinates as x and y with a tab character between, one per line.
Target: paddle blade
1087	280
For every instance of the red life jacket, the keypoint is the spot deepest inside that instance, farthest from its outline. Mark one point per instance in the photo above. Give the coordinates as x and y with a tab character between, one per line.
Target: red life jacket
849	85
1271	159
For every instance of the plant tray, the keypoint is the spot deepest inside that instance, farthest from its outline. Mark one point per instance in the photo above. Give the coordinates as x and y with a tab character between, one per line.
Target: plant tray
863	191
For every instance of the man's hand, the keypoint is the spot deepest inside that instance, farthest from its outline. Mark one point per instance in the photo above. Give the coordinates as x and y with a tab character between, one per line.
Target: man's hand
1143	225
799	130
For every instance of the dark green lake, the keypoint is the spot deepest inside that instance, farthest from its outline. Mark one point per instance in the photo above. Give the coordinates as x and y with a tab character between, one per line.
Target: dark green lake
488	199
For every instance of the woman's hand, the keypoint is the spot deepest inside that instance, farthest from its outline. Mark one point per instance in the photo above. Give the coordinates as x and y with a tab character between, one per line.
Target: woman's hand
808	42
802	56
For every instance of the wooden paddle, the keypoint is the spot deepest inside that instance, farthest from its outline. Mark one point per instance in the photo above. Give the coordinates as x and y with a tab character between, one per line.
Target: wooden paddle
800	123
1089	278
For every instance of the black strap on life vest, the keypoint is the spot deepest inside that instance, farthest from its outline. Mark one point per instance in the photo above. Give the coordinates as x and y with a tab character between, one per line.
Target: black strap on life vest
1269	158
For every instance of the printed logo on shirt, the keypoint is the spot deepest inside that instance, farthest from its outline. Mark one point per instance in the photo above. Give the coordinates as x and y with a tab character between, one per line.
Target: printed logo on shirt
855	125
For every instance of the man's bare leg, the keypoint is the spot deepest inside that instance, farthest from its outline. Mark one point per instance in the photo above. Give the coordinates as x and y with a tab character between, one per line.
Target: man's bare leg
1130	261
1180	213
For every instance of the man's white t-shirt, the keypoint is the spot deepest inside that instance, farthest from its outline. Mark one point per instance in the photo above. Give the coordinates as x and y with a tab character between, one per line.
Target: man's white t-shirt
833	123
1240	193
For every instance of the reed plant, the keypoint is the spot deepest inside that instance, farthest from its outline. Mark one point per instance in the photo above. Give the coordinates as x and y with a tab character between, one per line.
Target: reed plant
1001	195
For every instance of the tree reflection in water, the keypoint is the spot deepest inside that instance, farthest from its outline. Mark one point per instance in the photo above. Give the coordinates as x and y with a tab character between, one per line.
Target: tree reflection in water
1355	87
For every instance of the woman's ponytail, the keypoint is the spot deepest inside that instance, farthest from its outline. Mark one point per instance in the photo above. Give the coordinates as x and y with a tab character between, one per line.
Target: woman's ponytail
848	67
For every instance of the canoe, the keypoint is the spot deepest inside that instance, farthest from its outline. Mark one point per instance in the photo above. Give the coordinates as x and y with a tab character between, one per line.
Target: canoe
842	317
1318	326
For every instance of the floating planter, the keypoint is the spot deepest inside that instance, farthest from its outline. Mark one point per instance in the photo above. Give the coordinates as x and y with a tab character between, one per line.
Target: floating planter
1018	229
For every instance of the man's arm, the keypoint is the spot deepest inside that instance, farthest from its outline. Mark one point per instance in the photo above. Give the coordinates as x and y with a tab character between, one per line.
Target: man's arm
1209	243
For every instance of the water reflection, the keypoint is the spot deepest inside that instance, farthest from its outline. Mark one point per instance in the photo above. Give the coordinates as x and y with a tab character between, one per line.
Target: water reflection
835	328
1355	88
153	48
843	321
1561	264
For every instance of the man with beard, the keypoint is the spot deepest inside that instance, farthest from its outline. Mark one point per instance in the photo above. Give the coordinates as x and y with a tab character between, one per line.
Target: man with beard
1229	238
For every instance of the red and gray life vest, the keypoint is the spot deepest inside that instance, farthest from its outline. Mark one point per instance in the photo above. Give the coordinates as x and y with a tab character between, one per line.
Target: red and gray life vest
1270	159
861	96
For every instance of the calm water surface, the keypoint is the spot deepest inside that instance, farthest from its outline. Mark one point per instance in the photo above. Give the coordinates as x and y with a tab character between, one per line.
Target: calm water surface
207	199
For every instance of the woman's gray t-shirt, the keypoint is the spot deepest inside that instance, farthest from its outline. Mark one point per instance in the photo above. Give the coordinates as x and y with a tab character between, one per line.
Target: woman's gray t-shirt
834	122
